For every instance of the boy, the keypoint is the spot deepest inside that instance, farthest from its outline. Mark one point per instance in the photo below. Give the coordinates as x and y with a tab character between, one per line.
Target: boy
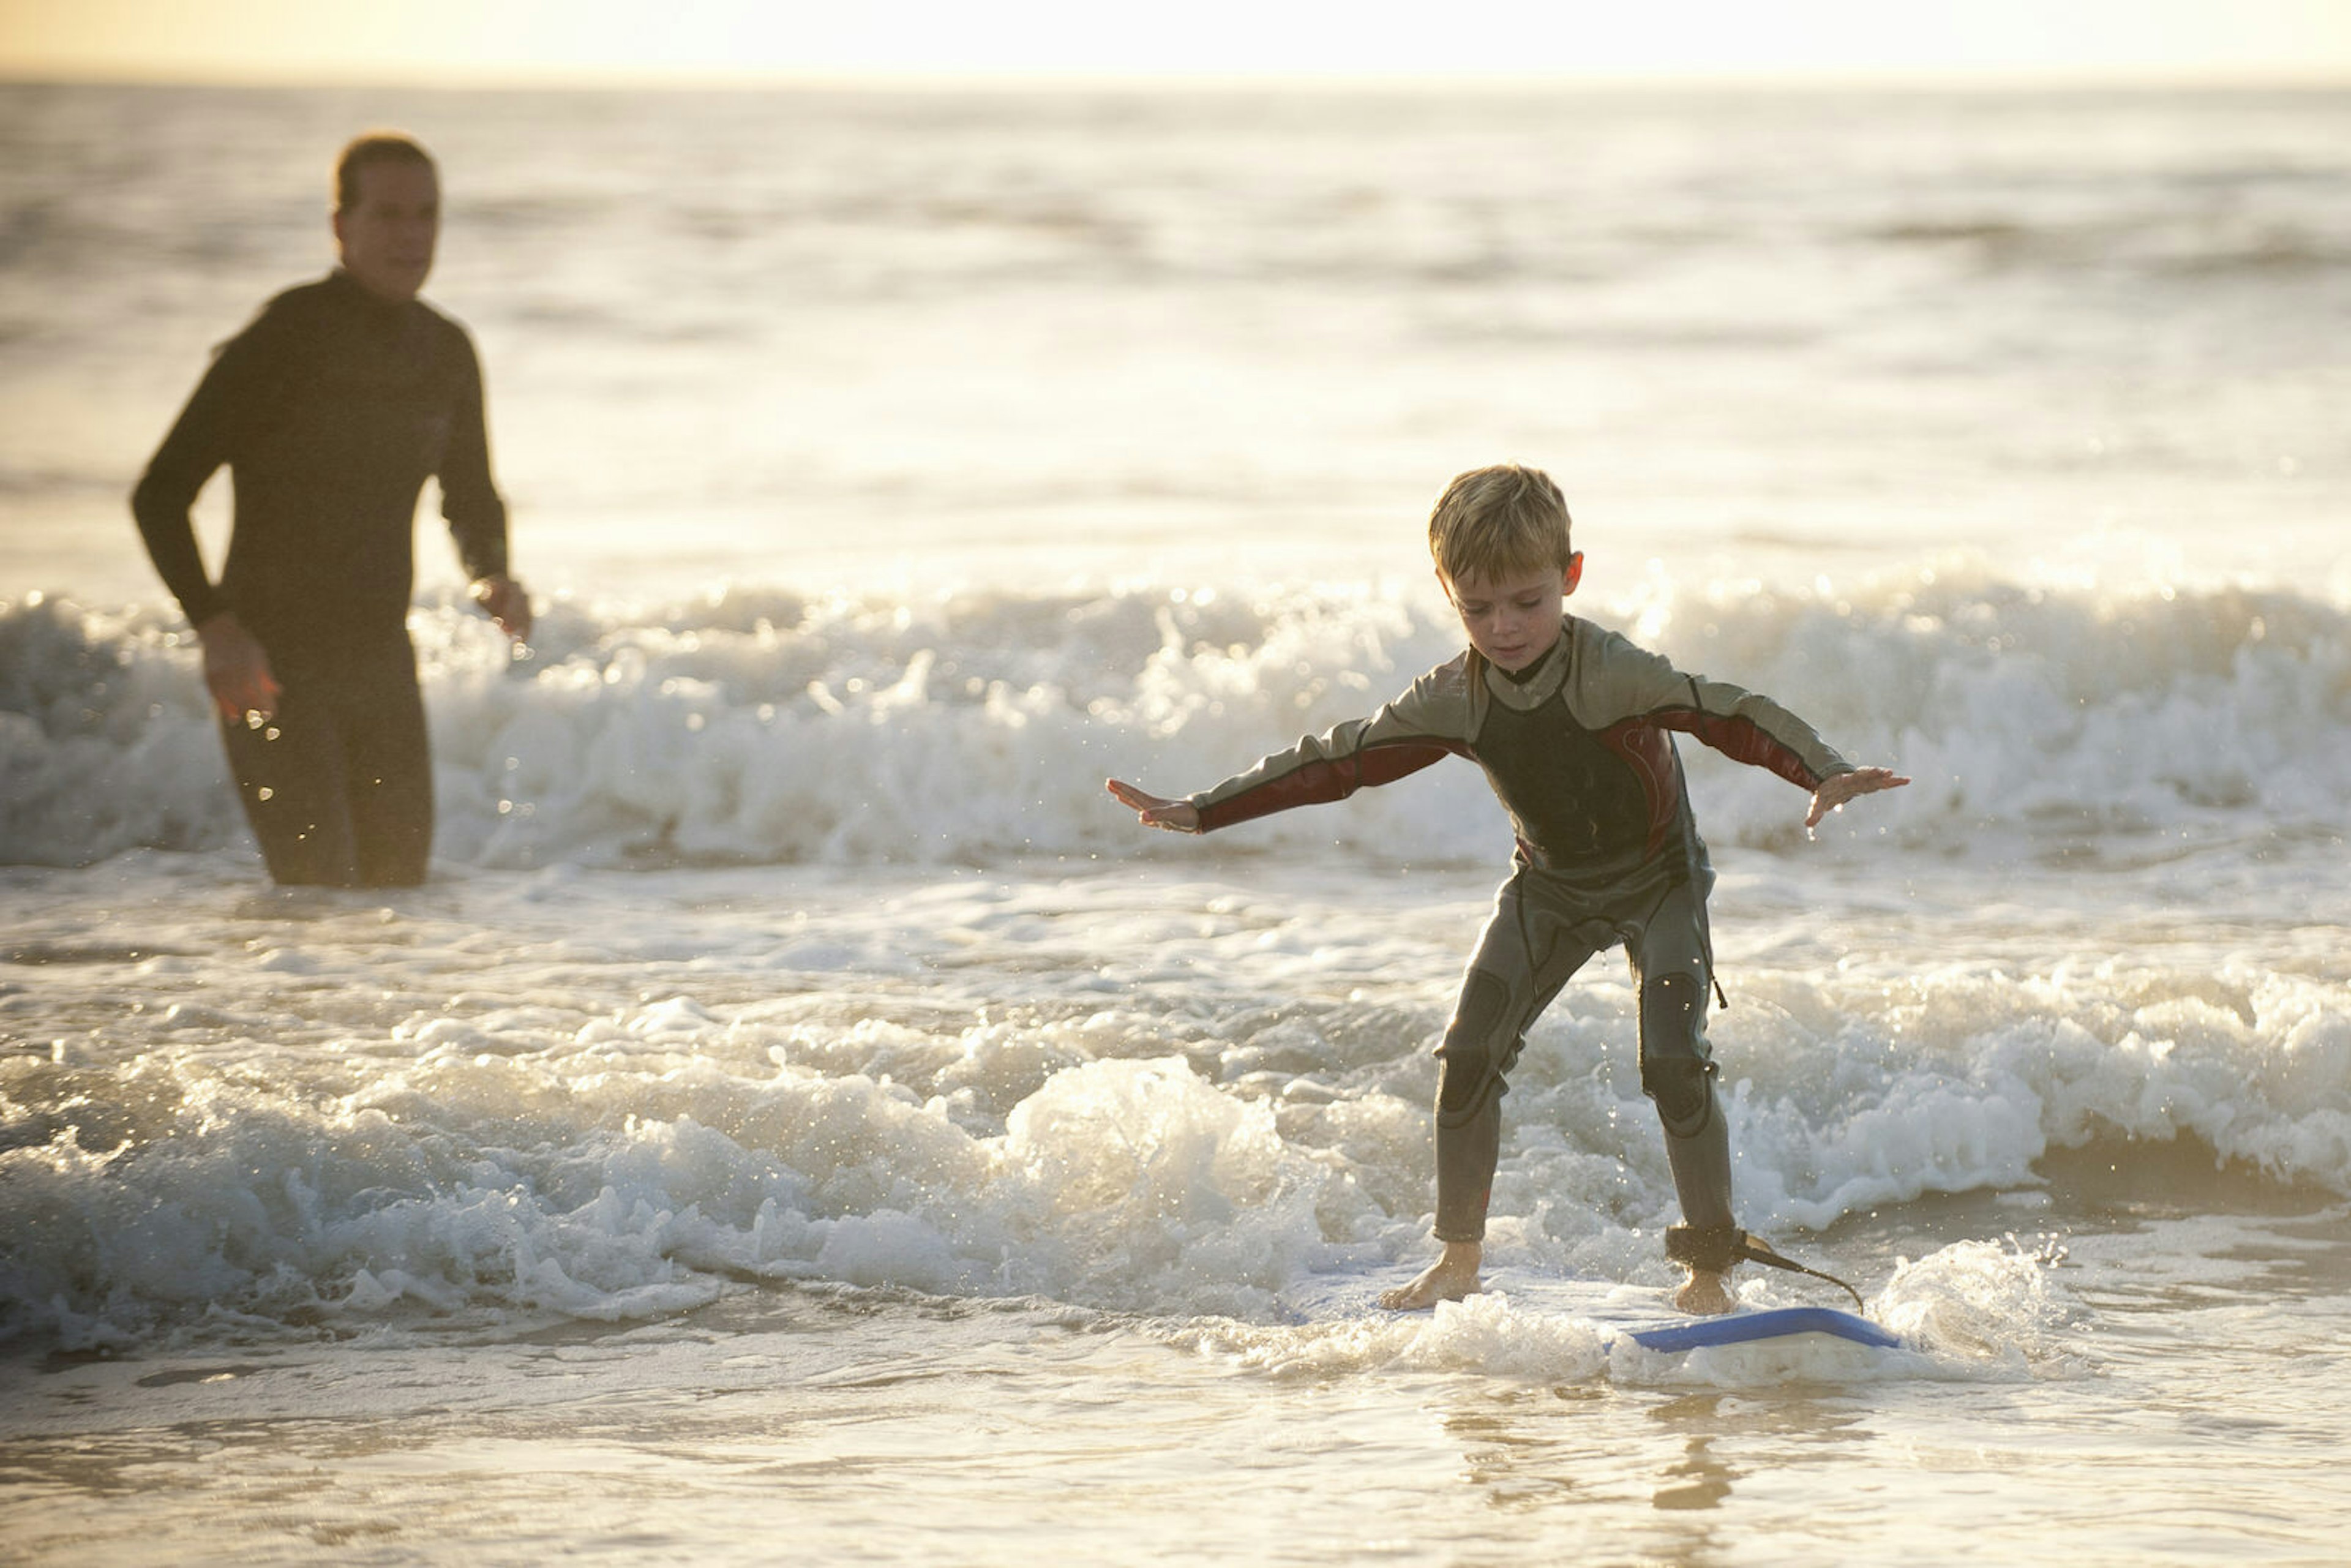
1569	723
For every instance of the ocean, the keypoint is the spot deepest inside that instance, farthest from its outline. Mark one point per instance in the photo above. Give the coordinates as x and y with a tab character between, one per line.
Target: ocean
804	1114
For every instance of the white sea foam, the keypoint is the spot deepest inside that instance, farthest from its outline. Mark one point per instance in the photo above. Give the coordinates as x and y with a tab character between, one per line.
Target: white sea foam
767	728
1112	1089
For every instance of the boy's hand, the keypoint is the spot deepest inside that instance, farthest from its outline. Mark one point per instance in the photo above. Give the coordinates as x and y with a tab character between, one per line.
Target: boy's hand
1837	789
1175	816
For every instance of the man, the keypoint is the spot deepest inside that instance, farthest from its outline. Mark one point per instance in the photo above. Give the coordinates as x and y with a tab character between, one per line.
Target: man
330	410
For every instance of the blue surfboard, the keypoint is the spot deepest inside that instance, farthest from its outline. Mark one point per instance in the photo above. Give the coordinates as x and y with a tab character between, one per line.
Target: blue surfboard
1777	1323
1619	1313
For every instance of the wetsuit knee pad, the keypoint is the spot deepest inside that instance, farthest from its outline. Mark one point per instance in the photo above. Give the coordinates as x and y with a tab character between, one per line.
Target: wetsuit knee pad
1674	1069
1472	1054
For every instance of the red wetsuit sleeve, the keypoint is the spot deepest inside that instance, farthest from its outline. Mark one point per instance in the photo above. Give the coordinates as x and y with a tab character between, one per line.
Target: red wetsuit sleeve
1318	781
1744	740
1426	725
1621	683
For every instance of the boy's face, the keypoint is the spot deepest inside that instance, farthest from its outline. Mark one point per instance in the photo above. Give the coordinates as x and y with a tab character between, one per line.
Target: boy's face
1515	621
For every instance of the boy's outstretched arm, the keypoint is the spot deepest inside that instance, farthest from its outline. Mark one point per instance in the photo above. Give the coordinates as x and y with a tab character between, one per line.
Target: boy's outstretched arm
1839	787
1155	811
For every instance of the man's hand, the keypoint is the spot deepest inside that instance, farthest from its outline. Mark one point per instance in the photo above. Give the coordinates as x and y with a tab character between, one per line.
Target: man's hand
237	670
1837	789
1175	816
503	601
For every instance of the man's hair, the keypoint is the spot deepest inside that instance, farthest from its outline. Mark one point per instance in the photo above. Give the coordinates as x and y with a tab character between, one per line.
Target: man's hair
1500	522
364	153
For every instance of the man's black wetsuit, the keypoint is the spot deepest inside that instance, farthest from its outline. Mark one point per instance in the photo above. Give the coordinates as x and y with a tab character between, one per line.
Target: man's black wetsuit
330	410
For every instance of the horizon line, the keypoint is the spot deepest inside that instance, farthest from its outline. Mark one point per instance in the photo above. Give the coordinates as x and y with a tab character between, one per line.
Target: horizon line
1890	79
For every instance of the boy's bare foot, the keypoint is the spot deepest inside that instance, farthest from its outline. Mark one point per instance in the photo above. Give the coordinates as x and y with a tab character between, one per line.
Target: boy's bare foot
1705	1294
1453	1276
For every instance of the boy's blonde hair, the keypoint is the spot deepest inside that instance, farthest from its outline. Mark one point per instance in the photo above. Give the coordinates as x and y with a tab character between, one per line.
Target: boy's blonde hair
1500	522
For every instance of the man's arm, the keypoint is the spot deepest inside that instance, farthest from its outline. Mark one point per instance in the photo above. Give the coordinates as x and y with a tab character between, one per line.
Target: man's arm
200	440
237	670
470	501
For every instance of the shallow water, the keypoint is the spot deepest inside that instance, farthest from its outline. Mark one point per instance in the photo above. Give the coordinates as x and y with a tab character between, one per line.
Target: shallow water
631	1351
856	1428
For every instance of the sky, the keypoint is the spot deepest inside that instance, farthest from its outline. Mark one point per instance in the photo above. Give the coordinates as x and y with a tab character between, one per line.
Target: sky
487	42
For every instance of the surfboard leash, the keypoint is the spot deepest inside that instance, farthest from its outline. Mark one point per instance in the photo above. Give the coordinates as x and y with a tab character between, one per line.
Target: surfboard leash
1755	1249
1714	1247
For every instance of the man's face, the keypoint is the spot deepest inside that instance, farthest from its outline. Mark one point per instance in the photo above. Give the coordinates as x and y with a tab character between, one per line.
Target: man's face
387	235
1515	621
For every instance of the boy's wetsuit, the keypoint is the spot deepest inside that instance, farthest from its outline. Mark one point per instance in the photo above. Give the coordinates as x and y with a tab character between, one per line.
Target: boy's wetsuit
1578	748
330	410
